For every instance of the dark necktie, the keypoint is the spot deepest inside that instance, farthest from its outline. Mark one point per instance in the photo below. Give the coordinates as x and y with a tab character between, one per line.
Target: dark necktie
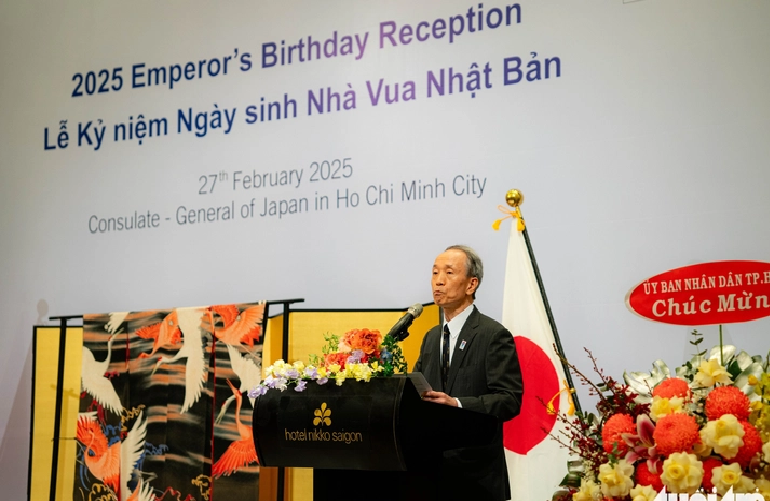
445	357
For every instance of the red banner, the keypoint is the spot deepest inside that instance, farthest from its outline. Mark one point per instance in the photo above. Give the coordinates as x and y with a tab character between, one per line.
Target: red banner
722	292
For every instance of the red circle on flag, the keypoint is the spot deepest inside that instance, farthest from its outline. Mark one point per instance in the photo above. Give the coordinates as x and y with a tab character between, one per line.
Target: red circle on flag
541	383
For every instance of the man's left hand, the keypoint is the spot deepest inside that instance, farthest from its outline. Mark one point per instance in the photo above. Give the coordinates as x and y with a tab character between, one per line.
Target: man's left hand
439	398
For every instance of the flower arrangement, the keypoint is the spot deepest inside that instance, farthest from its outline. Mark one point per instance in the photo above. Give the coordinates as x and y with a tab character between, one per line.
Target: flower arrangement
706	429
360	354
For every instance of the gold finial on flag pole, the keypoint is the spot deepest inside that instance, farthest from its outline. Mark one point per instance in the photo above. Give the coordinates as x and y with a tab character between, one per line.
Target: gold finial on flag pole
514	198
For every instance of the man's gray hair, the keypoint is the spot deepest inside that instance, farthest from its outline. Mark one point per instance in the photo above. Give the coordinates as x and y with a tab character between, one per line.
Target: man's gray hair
473	265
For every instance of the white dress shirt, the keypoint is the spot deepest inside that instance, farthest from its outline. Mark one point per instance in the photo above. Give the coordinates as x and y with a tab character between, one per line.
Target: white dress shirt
455	326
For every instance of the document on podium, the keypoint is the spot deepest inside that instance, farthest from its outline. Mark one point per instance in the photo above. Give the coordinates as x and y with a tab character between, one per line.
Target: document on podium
419	382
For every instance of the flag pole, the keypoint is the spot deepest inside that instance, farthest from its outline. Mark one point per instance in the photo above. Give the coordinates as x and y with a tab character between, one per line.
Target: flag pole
514	198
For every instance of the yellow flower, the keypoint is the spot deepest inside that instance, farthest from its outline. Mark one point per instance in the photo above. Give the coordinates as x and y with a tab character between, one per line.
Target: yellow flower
764	387
730	476
764	488
340	379
682	472
726	477
643	493
753	380
276	369
362	372
760	417
725	435
376	367
662	406
589	491
710	373
357	371
747	485
701	450
616	480
334	368
321	372
299	366
766	452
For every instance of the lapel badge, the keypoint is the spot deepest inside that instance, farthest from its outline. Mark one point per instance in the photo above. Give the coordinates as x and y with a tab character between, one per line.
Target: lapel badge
462	345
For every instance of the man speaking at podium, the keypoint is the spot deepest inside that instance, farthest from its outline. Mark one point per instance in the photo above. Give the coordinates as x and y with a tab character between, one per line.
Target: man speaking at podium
473	360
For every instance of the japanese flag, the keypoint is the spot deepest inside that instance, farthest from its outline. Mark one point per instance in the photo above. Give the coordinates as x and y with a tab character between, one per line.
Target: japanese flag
536	463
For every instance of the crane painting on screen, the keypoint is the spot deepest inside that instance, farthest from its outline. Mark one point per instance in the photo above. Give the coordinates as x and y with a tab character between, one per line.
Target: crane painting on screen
189	324
95	383
241	452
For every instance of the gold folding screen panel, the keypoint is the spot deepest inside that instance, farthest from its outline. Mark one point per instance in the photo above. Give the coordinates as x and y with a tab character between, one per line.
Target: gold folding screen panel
45	360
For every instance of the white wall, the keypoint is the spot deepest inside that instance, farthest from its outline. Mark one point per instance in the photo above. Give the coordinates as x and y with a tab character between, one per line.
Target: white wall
648	152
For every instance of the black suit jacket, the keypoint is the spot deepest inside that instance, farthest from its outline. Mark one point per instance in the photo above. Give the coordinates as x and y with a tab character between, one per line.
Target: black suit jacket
485	376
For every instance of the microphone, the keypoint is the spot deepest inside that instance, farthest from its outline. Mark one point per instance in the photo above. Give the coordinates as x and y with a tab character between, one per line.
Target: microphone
399	331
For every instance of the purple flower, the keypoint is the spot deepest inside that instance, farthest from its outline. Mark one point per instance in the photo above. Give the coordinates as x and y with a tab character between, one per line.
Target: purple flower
258	391
322	380
292	373
310	372
280	383
355	357
269	381
300	386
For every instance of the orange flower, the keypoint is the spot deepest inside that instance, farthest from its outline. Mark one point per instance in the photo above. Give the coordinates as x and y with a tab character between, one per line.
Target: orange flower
708	465
365	340
336	358
645	477
672	387
752	445
727	400
612	432
675	433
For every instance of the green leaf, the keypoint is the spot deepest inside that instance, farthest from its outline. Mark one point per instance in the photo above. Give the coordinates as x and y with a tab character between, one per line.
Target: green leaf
642	383
734	369
728	350
571	480
741	381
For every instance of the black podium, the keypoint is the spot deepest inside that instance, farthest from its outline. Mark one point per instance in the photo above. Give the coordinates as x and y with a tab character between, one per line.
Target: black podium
377	440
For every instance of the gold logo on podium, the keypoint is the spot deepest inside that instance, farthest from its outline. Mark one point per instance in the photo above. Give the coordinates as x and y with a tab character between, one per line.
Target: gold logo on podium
322	415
